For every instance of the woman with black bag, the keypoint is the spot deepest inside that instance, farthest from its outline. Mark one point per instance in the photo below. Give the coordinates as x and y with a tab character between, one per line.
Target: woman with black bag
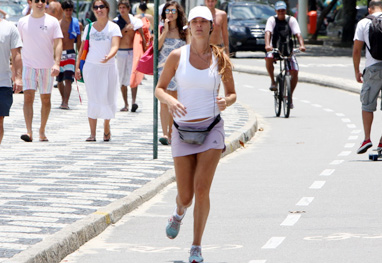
198	140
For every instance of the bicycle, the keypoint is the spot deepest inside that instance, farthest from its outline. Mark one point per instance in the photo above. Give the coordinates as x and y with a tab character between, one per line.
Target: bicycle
283	93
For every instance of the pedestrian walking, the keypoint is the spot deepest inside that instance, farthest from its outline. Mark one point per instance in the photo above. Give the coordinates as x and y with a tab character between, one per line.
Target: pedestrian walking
198	69
100	72
143	13
128	25
371	77
219	35
53	8
10	45
72	34
172	36
279	30
42	47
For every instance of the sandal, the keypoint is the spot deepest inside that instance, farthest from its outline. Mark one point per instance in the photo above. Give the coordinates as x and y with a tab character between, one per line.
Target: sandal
106	137
91	139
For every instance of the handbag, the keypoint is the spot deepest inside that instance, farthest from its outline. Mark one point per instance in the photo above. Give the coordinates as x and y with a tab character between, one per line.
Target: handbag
195	136
146	62
85	51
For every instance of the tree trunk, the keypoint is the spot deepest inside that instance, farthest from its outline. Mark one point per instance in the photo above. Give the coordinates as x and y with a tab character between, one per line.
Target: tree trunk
349	25
320	20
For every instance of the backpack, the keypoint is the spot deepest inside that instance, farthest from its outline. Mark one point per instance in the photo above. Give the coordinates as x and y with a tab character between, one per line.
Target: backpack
375	37
282	36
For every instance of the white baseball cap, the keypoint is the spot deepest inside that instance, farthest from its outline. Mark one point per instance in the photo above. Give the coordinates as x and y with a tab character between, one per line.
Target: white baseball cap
200	11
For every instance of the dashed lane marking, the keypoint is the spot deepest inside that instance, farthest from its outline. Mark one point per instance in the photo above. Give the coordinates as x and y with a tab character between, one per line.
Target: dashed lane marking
273	242
344	153
336	162
305	201
290	220
327	172
317	185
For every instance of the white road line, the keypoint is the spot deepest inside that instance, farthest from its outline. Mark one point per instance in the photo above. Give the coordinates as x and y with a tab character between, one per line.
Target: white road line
353	137
317	185
328	110
327	172
355	131
290	220
349	145
305	101
335	162
305	201
344	153
345	120
248	86
340	114
274	242
351	126
316	105
258	261
264	90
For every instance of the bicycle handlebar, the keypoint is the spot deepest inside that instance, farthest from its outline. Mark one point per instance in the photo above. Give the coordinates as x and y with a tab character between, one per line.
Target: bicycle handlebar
295	51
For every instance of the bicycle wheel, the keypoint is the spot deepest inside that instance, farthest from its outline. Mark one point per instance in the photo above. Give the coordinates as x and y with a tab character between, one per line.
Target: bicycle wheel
287	96
278	96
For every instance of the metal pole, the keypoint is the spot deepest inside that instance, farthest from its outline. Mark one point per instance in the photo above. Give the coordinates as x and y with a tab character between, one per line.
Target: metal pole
155	111
302	17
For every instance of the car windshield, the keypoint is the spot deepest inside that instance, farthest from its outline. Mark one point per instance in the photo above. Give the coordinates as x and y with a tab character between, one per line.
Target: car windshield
12	10
259	12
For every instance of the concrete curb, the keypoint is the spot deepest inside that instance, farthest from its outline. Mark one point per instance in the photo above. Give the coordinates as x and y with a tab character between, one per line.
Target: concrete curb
57	246
332	82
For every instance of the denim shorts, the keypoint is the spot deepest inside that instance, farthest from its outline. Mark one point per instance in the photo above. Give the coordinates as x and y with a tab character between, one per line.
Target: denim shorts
371	88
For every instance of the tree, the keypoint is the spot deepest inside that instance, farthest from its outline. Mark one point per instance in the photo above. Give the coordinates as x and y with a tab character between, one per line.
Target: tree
323	14
349	25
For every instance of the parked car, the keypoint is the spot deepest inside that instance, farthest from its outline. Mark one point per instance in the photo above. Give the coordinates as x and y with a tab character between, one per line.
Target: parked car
13	10
336	22
246	24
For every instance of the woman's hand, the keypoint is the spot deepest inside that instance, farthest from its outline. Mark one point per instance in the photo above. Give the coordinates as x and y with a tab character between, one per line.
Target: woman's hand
166	25
176	108
77	75
105	59
222	103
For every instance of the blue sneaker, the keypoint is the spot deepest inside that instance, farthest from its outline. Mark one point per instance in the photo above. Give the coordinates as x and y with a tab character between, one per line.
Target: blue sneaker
196	255
173	226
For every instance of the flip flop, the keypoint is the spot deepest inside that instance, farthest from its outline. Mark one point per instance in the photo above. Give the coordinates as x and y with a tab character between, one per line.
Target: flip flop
164	141
106	137
91	139
124	109
64	107
26	138
273	88
134	107
44	139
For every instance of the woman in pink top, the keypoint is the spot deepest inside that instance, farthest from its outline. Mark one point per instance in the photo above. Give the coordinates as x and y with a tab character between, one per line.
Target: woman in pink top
198	69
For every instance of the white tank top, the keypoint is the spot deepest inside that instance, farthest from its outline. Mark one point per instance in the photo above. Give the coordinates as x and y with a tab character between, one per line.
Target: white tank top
197	88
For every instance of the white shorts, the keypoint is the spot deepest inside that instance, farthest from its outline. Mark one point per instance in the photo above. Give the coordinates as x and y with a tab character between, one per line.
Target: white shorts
125	65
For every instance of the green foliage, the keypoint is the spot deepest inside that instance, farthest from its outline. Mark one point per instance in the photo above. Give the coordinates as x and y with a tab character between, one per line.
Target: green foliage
362	2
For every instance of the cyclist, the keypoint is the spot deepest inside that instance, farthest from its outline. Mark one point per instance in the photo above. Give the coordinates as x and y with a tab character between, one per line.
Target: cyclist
278	34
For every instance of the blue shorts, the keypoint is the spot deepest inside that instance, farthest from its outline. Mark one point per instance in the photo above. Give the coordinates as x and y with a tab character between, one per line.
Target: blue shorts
6	100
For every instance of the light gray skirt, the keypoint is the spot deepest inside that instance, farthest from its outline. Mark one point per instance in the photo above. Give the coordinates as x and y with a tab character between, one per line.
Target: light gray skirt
214	140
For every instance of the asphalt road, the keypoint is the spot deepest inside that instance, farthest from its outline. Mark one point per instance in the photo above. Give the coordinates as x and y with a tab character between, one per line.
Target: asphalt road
297	193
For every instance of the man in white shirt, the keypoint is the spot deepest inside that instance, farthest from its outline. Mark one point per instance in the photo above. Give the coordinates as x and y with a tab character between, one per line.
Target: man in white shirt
371	76
274	23
42	47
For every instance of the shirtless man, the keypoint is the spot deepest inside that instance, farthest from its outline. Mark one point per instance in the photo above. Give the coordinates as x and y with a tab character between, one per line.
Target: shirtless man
54	9
128	25
219	35
68	57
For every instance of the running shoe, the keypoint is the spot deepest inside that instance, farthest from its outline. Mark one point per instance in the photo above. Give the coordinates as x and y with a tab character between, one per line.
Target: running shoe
379	146
173	226
196	255
364	146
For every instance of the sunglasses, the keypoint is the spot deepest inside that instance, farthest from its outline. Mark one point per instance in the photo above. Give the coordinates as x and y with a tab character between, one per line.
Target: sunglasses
38	1
168	11
97	6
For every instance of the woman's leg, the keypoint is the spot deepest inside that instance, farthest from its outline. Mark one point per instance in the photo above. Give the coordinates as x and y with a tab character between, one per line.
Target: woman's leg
206	163
93	127
106	130
184	173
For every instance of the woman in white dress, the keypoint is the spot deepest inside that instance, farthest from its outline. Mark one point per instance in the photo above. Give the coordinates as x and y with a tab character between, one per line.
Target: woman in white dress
100	72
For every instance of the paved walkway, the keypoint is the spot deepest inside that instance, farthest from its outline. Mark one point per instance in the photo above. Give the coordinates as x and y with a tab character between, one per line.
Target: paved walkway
50	188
